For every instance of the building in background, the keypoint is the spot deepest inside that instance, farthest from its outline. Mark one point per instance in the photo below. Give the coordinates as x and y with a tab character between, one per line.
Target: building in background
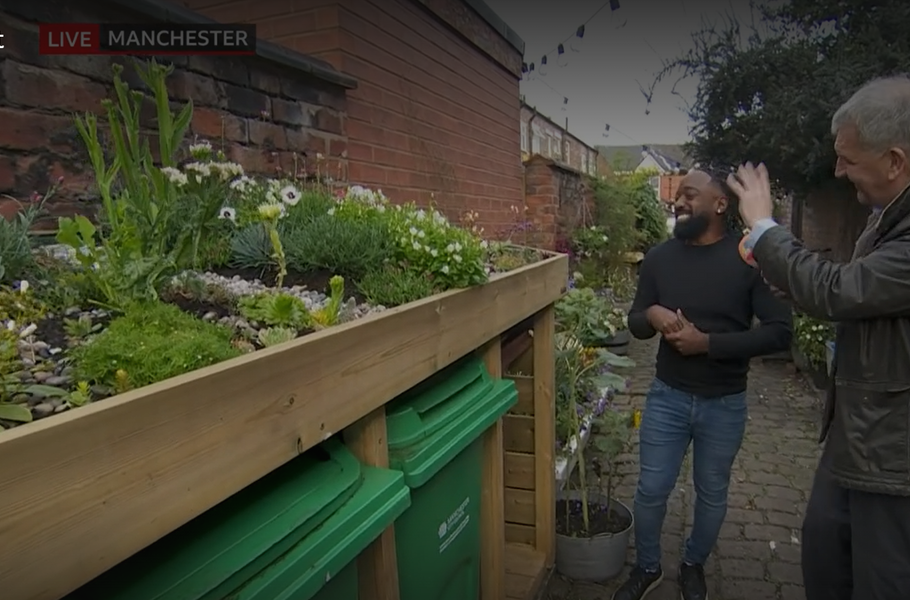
541	135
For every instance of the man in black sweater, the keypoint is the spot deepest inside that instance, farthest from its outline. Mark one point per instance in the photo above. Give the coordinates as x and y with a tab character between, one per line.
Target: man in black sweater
701	296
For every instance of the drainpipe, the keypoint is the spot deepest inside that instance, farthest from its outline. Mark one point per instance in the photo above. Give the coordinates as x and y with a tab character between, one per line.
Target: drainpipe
531	131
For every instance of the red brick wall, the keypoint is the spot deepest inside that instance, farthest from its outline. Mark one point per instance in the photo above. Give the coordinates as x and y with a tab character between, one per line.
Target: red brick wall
435	116
557	201
262	115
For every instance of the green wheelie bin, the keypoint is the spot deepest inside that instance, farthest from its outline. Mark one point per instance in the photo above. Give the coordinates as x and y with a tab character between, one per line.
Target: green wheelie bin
435	438
292	535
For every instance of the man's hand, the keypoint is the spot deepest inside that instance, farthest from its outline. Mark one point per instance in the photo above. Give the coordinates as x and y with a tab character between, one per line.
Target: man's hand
688	340
663	319
753	187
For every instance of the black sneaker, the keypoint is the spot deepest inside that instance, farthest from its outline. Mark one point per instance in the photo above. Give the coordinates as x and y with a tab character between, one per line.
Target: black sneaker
692	582
639	584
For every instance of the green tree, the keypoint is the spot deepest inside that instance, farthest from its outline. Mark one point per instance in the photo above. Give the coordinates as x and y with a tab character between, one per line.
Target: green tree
767	91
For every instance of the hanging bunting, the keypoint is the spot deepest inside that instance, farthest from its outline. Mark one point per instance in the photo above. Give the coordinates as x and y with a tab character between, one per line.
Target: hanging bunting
614	4
562	59
543	64
575	43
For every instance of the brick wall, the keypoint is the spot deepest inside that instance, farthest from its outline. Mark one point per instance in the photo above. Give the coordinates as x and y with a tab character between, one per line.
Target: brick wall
264	115
558	200
436	112
553	142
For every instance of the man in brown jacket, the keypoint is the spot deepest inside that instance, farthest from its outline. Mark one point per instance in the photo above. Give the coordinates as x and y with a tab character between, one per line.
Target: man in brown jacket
856	532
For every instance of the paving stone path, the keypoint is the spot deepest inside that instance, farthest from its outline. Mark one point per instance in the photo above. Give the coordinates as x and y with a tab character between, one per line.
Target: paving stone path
757	555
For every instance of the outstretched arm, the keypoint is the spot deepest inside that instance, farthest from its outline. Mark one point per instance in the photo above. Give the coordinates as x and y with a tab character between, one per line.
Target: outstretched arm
874	286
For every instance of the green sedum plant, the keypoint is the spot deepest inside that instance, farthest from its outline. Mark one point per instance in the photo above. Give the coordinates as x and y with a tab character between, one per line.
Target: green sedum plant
276	309
151	342
393	285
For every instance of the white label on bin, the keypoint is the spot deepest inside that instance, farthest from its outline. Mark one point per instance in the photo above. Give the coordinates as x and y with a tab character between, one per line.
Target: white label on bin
453	525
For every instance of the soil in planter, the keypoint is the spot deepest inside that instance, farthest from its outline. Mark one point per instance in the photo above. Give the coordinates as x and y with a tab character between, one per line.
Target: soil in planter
200	308
313	280
572	523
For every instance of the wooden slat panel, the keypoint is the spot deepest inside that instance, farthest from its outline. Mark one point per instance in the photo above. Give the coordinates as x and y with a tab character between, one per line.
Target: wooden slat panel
519	506
526	570
520	534
177	448
377	566
519	471
492	507
518	433
525	386
545	432
524	363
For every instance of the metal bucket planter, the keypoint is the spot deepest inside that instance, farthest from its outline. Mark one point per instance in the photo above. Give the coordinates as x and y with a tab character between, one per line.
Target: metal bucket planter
596	558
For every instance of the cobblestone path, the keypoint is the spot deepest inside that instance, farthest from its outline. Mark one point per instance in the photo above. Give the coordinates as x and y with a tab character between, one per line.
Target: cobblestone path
757	556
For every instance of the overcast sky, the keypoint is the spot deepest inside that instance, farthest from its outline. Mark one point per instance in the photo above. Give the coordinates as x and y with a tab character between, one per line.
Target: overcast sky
620	49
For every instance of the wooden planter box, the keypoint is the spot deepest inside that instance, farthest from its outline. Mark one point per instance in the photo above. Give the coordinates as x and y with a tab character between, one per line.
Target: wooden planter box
83	491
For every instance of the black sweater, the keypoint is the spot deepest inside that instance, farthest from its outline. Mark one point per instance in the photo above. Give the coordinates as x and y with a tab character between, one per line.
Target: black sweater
720	294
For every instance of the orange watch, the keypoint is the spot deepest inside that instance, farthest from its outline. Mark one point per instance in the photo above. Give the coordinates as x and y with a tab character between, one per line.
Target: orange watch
746	253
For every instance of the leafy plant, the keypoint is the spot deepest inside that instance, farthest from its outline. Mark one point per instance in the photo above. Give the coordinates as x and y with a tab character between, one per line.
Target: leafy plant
425	241
340	243
583	367
590	317
810	337
151	342
81	328
277	309
17	260
328	315
393	285
272	336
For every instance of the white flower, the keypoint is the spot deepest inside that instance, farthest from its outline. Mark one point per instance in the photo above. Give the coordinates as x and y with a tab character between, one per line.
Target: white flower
413	230
457	258
416	245
228	213
450	248
11	325
332	211
23	286
174	176
457	247
226	170
84	251
445	269
199	169
434	252
290	195
421	234
242	184
484	244
201	151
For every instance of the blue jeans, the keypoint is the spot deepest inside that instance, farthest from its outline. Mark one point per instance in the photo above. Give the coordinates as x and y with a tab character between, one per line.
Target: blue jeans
671	419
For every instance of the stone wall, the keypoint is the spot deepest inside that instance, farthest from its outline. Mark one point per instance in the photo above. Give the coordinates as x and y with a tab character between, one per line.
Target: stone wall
265	115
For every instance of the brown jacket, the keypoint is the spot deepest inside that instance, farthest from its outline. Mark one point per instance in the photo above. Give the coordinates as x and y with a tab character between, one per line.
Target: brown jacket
867	411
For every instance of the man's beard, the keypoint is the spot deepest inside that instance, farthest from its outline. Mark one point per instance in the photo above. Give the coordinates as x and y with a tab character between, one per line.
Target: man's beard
691	228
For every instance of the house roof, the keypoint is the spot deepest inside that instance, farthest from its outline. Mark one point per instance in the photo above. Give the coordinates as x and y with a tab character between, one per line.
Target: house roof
669	156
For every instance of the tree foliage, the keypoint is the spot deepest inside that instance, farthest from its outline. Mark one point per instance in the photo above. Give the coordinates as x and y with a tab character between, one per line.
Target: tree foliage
768	89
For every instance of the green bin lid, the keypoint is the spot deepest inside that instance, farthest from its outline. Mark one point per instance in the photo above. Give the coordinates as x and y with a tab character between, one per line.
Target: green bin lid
418	413
429	429
305	569
215	553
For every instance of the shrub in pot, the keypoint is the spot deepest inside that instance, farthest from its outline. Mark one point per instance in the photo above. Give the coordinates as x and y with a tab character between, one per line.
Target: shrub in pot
810	352
592	528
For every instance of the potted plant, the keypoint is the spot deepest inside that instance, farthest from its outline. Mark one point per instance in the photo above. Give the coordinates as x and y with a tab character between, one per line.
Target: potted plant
592	528
810	352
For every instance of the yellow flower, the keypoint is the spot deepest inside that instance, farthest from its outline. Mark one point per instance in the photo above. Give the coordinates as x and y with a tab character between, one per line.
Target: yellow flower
636	418
270	211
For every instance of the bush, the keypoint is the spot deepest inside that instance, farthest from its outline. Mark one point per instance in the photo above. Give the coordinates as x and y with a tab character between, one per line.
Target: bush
150	343
394	286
